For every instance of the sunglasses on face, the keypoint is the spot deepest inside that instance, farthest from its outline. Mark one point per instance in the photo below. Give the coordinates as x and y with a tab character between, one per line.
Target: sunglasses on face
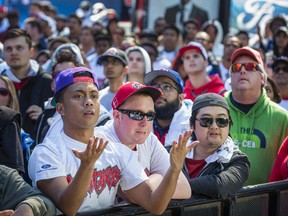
165	87
278	69
207	122
236	68
138	115
4	91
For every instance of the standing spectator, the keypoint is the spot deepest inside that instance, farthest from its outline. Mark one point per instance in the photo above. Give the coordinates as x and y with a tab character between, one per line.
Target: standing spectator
254	113
138	64
172	111
180	13
115	63
231	43
132	102
170	42
195	61
32	84
280	75
67	165
191	27
280	171
215	30
74	25
215	167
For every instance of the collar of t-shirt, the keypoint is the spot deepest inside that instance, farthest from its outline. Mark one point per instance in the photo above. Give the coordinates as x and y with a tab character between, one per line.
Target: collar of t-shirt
243	107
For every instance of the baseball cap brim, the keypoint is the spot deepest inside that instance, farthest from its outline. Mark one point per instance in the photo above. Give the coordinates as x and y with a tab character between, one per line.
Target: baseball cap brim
245	51
105	56
186	48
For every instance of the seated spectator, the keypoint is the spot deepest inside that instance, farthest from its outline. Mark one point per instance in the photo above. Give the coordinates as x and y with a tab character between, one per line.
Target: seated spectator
18	198
172	111
8	95
280	169
67	165
195	60
272	91
131	101
138	64
191	27
215	167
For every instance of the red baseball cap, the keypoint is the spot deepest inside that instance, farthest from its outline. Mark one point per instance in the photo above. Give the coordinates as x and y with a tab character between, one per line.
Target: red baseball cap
194	46
247	51
130	88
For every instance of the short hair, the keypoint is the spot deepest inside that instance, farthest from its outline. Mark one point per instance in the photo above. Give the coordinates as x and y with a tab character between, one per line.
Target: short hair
17	32
102	37
79	20
173	28
57	40
66	55
34	23
193	21
151	45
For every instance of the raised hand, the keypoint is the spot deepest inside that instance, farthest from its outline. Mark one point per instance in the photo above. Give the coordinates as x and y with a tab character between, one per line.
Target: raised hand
92	152
179	150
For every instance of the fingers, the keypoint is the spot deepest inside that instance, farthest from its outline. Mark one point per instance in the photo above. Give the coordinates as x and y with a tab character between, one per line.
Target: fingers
192	145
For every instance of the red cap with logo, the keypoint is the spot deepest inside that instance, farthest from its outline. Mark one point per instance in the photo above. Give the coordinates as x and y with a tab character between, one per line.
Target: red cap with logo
247	51
130	88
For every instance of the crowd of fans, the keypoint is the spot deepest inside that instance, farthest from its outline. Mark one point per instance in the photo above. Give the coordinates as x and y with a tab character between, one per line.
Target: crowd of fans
92	115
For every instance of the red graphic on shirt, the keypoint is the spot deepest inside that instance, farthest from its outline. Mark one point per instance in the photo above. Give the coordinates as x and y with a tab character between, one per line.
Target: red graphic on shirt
100	179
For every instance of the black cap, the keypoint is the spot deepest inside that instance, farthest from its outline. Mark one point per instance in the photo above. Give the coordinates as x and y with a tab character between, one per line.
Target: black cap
114	53
209	99
283	59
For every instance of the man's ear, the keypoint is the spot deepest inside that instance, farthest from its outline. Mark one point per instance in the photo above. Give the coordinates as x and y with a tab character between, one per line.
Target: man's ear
116	116
32	51
181	97
60	109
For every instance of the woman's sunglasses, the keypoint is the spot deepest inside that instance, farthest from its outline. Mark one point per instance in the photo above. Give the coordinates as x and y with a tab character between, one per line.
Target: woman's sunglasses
207	122
4	91
236	68
138	115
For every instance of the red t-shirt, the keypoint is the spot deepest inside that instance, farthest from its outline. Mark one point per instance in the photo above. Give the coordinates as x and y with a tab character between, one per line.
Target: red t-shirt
195	166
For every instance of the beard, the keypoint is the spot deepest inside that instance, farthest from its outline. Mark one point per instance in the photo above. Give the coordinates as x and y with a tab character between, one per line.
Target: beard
167	112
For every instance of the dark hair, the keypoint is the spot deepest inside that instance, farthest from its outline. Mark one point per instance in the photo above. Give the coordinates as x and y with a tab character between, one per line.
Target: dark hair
276	91
173	28
79	20
88	28
62	40
34	23
151	45
102	37
16	32
193	21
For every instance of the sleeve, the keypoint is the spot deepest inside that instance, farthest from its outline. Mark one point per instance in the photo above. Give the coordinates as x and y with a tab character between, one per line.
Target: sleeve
16	192
132	172
45	163
160	160
282	154
225	183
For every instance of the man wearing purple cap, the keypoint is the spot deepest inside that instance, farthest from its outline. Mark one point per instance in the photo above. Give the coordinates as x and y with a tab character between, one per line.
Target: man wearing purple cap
260	124
79	171
172	110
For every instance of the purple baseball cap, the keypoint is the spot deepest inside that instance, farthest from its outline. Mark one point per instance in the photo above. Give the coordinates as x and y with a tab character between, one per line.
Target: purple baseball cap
73	75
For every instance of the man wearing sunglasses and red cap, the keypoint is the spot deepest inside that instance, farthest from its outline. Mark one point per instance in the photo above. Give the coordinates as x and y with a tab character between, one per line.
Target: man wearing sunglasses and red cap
133	112
260	125
215	167
79	171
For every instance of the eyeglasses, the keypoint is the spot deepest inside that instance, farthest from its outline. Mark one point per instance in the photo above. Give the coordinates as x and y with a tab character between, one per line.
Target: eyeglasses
207	122
278	69
138	115
4	91
113	62
165	87
236	68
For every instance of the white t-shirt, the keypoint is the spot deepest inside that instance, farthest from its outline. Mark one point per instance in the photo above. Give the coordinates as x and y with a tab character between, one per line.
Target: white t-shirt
116	166
106	97
151	154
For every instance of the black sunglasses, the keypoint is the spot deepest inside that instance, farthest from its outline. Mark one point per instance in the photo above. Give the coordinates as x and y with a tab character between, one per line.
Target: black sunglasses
236	68
138	115
4	91
165	87
207	122
278	69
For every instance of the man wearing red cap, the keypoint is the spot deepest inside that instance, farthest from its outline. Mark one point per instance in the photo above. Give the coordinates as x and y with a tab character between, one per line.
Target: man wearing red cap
79	171
195	61
260	124
133	112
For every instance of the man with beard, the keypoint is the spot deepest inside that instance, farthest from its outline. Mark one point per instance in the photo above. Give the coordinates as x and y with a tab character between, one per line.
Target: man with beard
172	111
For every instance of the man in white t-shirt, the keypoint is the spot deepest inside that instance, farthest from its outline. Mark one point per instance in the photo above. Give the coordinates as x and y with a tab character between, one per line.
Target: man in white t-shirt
79	171
131	103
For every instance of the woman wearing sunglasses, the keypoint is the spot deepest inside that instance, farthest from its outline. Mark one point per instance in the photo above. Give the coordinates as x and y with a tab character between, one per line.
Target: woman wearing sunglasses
215	167
8	96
